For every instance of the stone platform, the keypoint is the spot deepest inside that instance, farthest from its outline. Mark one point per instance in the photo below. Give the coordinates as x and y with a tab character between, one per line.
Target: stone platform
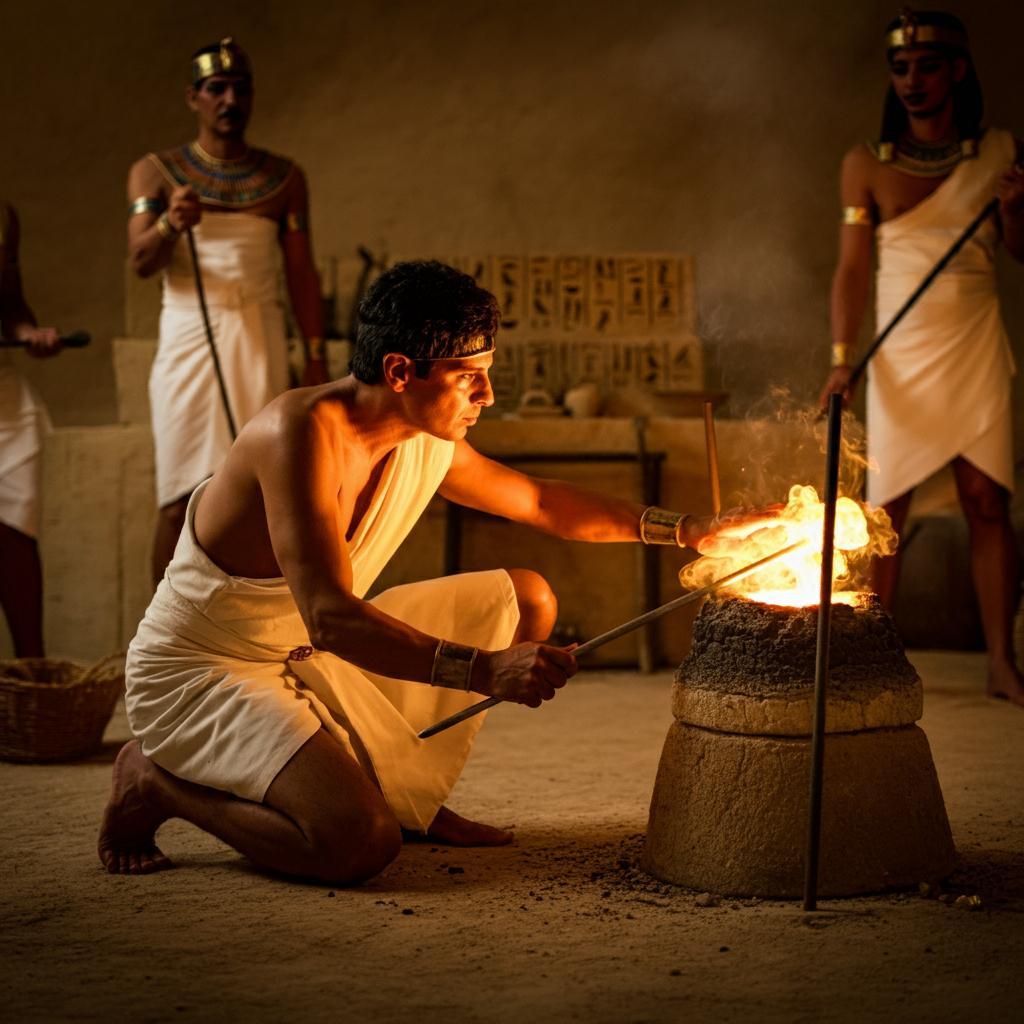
730	805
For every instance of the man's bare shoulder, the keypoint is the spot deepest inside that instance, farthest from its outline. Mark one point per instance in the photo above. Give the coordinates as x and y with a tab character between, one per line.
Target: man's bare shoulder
144	177
303	421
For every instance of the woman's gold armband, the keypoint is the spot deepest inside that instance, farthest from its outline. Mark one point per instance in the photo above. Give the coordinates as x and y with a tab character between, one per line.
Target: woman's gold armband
842	354
858	216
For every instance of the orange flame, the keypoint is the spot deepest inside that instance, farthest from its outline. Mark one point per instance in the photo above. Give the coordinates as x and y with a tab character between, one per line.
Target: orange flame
794	580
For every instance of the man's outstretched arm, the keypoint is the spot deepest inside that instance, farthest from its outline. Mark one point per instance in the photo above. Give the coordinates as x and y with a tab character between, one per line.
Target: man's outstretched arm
552	506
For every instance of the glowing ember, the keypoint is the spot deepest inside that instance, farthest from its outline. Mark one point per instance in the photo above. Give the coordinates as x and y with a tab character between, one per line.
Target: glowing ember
794	580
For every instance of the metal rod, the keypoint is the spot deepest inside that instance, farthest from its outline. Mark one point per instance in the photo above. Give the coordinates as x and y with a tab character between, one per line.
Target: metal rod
626	627
987	212
821	666
209	333
77	339
712	446
644	638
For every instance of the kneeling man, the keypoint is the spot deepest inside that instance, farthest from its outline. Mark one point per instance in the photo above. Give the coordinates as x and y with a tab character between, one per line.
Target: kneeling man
276	708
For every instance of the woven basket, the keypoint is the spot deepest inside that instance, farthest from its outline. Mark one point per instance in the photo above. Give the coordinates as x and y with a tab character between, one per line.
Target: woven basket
56	710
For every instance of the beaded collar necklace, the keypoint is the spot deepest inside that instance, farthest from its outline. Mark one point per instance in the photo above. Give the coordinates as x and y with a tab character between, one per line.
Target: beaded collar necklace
927	159
251	178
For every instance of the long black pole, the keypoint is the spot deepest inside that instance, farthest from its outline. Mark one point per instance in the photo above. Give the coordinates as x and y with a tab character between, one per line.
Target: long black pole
821	665
987	212
835	426
209	334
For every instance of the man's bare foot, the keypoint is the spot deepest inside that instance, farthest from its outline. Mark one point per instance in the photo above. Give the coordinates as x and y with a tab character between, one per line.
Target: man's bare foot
1005	682
451	829
131	818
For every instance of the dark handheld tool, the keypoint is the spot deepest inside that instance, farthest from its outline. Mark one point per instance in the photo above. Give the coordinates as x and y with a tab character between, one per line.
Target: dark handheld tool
209	334
77	339
614	634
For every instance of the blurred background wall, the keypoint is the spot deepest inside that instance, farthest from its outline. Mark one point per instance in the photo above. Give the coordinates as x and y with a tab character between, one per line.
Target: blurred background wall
714	129
459	127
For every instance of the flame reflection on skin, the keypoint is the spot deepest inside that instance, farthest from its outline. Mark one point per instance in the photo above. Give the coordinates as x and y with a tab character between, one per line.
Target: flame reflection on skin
795	580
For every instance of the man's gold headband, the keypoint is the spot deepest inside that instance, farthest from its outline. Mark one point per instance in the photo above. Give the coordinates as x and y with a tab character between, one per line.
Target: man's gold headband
229	59
488	346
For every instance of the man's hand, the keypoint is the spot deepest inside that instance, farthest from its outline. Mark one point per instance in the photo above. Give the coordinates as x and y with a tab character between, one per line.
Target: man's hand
1011	193
838	383
315	372
695	531
42	341
183	211
527	673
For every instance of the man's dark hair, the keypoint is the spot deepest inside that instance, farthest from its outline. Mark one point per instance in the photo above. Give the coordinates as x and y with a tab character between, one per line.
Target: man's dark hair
968	101
424	310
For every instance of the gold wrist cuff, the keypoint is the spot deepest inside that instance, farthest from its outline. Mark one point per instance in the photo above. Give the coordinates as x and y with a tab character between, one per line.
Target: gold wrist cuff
858	216
166	228
145	204
842	354
453	665
316	348
659	526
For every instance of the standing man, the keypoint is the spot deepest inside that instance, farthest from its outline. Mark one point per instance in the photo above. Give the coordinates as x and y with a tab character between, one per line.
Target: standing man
23	424
939	390
273	705
245	206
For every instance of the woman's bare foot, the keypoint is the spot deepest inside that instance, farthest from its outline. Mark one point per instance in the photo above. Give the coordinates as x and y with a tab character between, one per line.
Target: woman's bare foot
451	829
1005	682
132	816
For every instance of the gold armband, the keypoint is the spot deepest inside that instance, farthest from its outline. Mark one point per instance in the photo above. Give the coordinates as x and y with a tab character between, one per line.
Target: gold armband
166	228
145	204
842	353
316	349
453	665
857	216
659	526
295	222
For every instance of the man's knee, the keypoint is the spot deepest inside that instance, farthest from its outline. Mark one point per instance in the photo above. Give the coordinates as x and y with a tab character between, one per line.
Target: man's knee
352	851
538	606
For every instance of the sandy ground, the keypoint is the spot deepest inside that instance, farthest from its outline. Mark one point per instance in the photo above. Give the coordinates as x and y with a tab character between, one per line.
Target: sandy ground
560	926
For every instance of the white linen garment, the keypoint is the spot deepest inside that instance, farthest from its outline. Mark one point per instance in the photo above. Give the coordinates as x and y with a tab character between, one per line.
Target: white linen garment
24	423
239	259
940	385
215	699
